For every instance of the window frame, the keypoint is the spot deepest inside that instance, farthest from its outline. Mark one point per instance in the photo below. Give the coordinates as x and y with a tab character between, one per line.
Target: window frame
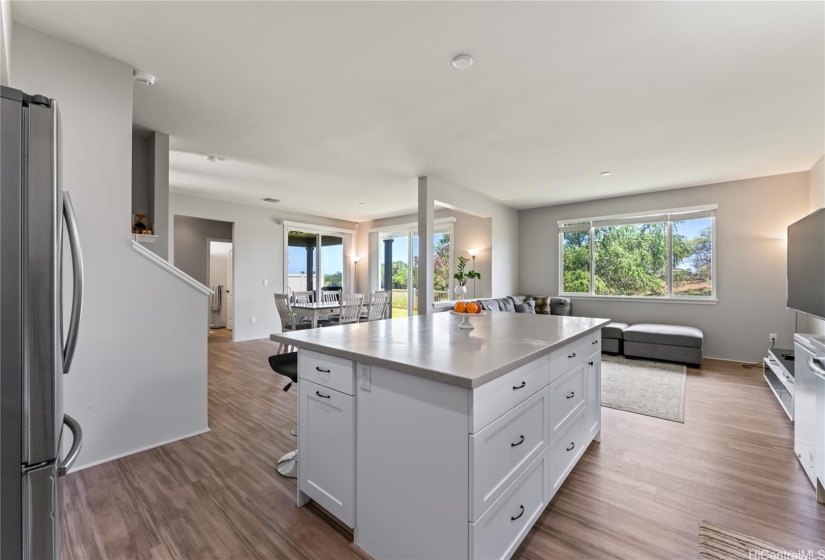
670	216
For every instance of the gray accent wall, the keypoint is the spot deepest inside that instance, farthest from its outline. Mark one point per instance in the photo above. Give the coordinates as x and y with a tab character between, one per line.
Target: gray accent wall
192	245
816	200
751	225
150	185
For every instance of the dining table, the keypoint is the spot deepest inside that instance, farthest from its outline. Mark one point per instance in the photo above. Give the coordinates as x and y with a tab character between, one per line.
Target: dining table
315	310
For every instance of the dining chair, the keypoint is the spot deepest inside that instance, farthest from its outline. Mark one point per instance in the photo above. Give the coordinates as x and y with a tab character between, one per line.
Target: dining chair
349	310
289	320
330	296
302	297
377	310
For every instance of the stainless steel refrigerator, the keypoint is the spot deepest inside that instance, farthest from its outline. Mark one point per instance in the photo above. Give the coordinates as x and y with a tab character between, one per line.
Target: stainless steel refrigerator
35	353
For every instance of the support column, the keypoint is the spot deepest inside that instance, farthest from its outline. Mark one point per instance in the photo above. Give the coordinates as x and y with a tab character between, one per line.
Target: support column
426	208
388	264
310	266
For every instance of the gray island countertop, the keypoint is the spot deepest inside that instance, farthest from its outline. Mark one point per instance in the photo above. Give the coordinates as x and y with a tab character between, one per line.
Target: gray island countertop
432	347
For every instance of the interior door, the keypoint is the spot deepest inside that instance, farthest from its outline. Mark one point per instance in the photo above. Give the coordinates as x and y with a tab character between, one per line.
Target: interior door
230	291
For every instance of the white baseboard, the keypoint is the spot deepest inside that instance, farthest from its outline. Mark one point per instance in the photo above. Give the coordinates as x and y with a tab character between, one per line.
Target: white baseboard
140	450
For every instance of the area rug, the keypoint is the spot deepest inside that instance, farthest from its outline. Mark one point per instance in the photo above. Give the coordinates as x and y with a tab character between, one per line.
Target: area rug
644	387
716	543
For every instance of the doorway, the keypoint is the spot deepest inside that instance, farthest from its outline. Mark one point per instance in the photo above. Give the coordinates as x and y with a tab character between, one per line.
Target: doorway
221	280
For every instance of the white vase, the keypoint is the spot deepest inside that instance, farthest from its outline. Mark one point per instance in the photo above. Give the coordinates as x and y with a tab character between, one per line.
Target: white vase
460	291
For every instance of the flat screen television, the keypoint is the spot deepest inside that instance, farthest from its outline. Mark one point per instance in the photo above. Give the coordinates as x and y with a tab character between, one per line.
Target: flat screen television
806	264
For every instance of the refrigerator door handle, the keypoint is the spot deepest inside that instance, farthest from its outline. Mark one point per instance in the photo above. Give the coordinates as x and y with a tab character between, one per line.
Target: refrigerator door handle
77	442
77	282
817	364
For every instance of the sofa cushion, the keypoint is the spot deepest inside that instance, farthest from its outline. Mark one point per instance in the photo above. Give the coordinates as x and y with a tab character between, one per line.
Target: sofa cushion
560	306
542	304
672	335
506	304
489	304
614	330
528	307
517	300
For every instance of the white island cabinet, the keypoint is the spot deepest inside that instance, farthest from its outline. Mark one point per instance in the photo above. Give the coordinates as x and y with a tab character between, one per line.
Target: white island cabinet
436	443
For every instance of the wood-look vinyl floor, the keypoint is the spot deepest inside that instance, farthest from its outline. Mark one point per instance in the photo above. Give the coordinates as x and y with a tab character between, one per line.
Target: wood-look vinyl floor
639	494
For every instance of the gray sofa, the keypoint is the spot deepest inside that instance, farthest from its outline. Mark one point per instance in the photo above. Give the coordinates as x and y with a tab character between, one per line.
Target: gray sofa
541	305
672	343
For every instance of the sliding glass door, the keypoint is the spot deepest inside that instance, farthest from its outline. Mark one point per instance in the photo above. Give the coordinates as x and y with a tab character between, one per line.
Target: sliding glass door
398	267
309	252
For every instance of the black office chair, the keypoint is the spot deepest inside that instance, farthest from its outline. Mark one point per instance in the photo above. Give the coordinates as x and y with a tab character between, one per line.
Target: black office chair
287	365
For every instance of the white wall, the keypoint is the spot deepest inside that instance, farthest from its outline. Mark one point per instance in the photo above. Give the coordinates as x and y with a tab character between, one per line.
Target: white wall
139	377
816	185
258	239
5	41
751	225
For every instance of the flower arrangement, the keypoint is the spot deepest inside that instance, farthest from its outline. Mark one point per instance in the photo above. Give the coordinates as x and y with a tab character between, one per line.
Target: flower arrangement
463	277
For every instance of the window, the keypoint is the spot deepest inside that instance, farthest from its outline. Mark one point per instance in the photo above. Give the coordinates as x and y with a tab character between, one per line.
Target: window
666	254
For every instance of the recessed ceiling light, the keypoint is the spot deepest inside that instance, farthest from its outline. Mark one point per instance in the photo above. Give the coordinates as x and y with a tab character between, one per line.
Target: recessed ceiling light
144	78
605	173
462	61
362	203
214	159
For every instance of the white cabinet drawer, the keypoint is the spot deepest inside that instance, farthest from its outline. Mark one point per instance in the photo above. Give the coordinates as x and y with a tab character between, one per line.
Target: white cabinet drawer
329	371
326	449
500	395
564	452
498	533
568	395
564	359
499	452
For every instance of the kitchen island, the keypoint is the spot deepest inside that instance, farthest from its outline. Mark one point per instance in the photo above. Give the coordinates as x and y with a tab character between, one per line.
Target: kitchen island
432	442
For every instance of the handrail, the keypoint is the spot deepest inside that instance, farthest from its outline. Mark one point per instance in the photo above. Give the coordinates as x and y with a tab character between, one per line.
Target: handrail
164	264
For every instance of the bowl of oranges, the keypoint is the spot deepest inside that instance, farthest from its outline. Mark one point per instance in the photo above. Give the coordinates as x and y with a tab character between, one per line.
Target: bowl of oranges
465	311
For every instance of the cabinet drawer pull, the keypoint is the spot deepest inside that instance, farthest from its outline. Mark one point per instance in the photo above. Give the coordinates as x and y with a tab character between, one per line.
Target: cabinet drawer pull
571	395
590	363
519	514
522	386
519	443
322	396
322	370
595	342
572	445
573	355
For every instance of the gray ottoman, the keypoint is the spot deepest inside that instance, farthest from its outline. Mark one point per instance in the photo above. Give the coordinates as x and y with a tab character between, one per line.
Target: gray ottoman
672	343
612	337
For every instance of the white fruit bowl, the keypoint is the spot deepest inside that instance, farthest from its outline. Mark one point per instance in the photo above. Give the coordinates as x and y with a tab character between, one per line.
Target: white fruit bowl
465	319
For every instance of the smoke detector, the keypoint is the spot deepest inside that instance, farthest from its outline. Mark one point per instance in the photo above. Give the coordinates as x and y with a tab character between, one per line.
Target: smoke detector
272	200
142	77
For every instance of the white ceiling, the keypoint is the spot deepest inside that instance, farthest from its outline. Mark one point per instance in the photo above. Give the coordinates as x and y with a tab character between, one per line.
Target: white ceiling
327	105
